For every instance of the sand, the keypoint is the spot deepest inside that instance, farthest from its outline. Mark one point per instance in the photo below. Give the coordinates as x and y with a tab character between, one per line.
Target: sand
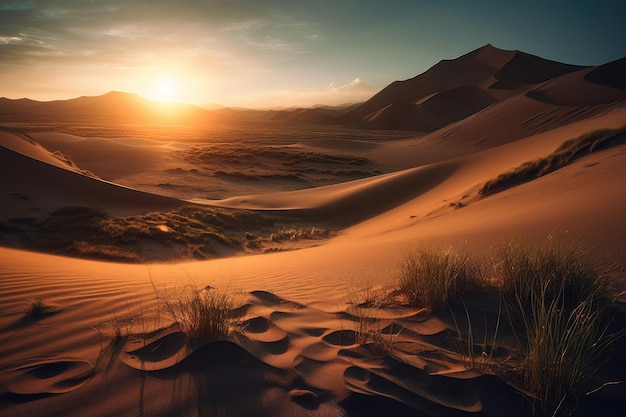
296	350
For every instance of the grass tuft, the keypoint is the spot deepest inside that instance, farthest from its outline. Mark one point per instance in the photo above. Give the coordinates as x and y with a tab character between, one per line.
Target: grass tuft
567	152
38	308
202	314
429	278
559	305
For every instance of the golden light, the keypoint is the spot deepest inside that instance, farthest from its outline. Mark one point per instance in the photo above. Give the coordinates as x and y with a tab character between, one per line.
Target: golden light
164	89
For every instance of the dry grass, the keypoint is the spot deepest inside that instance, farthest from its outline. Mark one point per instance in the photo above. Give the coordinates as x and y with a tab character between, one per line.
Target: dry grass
189	232
38	307
430	278
567	152
203	314
560	307
557	308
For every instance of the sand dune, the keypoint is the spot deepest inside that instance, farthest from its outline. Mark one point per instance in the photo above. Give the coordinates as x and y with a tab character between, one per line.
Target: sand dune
38	183
609	75
575	89
299	347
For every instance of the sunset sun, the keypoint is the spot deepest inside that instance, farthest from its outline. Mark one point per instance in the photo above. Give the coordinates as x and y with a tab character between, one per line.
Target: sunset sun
165	88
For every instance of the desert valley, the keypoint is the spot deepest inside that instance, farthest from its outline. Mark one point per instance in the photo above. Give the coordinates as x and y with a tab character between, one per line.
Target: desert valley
162	259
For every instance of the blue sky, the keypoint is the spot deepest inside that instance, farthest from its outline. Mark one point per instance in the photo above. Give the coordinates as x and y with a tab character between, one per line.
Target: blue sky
277	52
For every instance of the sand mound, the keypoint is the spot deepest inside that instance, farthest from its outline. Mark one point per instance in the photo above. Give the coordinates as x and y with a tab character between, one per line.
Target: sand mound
350	202
46	376
609	75
40	183
530	69
576	89
313	363
27	146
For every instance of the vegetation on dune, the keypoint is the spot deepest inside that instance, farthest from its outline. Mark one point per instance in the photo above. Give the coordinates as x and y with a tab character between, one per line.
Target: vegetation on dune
556	304
560	305
565	154
189	232
430	278
38	308
206	314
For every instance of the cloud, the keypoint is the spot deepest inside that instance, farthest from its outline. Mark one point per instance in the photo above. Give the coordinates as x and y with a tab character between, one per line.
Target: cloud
273	44
354	86
354	91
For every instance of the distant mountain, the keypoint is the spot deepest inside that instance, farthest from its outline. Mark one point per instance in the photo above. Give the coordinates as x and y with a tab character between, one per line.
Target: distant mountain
113	106
211	106
318	114
455	89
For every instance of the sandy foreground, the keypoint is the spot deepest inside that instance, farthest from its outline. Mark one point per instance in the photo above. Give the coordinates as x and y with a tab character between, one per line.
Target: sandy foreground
295	351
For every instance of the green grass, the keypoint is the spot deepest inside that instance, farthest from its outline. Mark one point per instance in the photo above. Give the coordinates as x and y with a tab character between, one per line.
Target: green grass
567	152
430	278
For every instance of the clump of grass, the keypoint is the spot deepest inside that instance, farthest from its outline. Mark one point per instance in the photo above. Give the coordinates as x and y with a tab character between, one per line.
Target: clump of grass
559	305
297	233
203	314
38	308
429	278
119	329
103	251
567	152
559	271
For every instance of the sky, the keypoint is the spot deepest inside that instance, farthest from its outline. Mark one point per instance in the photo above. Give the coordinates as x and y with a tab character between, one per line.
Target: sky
277	53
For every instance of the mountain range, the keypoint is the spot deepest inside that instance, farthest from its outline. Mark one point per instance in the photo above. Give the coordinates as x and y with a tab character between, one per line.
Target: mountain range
485	81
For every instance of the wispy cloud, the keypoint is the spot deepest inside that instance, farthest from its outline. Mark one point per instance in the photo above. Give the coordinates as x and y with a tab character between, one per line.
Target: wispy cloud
354	91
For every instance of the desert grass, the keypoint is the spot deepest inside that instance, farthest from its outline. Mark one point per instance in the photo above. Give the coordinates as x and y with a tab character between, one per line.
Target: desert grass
206	314
38	307
188	232
567	152
364	302
560	305
553	304
297	233
431	277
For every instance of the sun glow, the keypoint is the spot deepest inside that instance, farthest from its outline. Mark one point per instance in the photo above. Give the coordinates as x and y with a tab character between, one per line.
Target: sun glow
165	89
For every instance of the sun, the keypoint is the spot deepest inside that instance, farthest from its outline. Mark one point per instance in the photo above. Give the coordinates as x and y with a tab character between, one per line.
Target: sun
166	88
